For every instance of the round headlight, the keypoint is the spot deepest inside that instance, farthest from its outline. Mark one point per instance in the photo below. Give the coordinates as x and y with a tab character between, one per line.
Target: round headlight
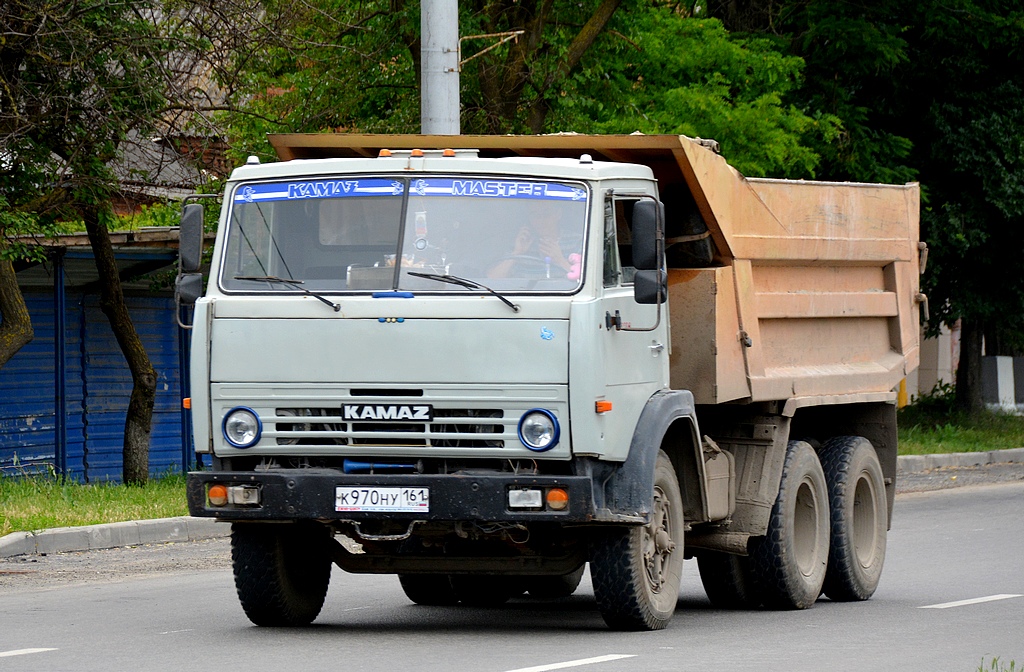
538	429
242	427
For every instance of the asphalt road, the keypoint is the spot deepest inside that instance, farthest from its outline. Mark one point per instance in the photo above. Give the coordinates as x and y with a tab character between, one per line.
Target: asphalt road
950	596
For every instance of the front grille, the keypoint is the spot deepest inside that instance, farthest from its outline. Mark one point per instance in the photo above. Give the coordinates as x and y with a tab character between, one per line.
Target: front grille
450	428
467	429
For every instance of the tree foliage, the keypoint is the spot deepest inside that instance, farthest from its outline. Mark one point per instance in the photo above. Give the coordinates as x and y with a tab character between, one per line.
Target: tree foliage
604	66
690	76
81	80
931	91
883	92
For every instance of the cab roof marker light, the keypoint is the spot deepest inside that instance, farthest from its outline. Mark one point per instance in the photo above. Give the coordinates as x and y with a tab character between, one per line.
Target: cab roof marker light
384	153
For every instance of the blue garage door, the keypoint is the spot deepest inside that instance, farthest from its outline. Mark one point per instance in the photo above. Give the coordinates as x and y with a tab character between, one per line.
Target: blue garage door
97	386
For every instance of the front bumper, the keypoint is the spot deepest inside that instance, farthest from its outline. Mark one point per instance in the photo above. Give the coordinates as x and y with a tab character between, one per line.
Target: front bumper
309	494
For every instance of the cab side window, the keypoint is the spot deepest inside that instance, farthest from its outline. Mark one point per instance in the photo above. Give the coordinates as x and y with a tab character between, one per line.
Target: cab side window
618	242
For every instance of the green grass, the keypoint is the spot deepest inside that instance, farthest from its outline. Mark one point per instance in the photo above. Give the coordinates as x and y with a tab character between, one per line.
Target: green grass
997	665
932	425
40	502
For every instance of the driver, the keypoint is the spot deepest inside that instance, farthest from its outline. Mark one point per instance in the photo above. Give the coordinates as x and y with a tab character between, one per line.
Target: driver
536	247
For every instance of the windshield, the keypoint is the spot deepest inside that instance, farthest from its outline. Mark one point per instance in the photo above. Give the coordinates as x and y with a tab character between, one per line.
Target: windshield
368	234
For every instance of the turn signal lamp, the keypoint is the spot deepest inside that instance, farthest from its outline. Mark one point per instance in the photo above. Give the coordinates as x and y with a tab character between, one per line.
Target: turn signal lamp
557	499
602	406
186	403
217	494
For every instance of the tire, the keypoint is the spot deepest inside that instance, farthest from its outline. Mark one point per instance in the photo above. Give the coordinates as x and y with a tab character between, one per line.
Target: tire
281	571
430	590
729	580
485	590
859	518
554	587
789	563
636	570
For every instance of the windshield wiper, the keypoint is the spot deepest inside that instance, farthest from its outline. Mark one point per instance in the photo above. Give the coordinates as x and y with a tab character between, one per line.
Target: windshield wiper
294	283
463	282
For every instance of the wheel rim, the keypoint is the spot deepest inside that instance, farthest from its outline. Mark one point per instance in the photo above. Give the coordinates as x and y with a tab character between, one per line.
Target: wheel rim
865	521
658	543
805	531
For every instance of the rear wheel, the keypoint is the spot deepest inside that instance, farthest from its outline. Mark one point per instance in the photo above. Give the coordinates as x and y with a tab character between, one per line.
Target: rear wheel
281	571
728	580
485	590
636	570
789	562
551	587
431	590
859	516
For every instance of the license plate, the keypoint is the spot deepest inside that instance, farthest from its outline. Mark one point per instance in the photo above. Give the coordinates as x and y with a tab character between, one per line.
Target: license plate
411	499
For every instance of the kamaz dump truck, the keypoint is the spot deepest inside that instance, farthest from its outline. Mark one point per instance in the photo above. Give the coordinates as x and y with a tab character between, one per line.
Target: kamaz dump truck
483	363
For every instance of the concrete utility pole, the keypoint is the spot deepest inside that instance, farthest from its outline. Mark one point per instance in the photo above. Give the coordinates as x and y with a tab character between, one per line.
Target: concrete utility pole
439	67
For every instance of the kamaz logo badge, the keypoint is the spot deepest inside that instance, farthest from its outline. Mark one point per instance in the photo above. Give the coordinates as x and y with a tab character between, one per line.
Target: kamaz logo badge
388	412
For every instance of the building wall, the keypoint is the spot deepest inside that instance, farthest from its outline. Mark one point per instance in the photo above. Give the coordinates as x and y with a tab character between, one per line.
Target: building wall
939	359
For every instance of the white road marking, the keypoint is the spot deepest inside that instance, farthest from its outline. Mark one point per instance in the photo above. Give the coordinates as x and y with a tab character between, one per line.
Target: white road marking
976	600
22	652
174	632
575	663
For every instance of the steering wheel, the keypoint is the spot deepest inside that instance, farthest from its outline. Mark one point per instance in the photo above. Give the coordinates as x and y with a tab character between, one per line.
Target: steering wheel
530	264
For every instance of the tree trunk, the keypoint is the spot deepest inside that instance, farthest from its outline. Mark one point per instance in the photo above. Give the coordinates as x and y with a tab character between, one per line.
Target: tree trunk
15	323
593	27
968	373
138	422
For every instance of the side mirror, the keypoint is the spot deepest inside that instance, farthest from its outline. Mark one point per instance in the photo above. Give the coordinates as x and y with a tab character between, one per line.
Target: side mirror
647	215
187	288
650	286
190	238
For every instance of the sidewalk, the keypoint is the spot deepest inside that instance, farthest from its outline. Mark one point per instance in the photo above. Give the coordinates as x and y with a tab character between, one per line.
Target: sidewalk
185	528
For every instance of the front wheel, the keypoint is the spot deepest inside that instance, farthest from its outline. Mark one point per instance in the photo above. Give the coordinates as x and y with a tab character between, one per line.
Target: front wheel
728	580
281	571
859	518
636	570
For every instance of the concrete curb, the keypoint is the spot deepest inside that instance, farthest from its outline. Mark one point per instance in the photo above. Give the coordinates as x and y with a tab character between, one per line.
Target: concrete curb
910	464
111	535
186	528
